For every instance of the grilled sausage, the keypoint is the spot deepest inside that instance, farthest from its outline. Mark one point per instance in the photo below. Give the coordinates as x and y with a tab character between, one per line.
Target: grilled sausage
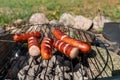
65	48
84	47
33	46
24	36
46	48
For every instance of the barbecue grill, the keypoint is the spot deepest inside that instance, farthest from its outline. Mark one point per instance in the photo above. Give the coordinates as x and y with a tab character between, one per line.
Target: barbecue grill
15	57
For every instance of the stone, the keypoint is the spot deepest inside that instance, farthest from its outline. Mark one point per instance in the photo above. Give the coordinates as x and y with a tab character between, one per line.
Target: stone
82	22
67	19
98	22
38	18
18	22
54	22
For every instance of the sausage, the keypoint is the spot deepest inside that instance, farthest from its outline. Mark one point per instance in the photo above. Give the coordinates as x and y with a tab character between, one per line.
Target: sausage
46	48
84	47
65	48
24	36
33	46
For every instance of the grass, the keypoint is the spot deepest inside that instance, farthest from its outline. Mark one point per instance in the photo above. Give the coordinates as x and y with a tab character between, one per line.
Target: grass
11	10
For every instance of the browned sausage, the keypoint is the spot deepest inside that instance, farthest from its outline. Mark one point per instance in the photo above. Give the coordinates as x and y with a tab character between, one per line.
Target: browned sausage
24	36
46	48
84	47
67	49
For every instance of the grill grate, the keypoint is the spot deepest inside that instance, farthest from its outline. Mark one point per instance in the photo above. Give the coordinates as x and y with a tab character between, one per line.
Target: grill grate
93	64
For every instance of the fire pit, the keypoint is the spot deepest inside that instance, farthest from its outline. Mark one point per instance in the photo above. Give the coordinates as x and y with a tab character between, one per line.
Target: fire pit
21	66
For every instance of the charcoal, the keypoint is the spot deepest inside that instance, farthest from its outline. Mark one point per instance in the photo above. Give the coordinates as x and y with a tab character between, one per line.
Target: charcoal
67	76
29	77
61	68
79	73
22	72
34	62
78	67
59	59
67	65
47	63
57	68
44	76
58	78
33	70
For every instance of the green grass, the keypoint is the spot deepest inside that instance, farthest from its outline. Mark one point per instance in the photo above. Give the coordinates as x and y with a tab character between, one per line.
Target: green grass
11	10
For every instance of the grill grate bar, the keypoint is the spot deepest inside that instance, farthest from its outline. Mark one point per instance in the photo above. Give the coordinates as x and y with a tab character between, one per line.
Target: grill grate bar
28	69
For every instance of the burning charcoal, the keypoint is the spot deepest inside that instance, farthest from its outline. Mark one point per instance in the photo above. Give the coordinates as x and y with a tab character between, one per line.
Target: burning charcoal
67	65
77	76
78	67
59	59
48	66
44	77
62	73
34	62
63	68
79	73
22	72
27	77
53	61
38	59
46	63
48	70
33	70
64	76
67	76
58	69
58	78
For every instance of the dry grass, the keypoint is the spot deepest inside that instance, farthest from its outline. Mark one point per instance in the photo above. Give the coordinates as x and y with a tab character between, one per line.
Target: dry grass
11	10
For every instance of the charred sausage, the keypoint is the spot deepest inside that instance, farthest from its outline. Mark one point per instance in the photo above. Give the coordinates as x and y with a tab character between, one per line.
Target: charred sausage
24	36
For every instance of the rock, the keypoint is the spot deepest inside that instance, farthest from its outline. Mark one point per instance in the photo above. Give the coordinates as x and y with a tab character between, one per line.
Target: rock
98	22
82	23
38	18
18	22
67	19
54	22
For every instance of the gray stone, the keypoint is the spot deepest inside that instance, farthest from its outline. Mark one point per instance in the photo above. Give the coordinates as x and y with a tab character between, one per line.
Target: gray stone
54	22
82	22
67	19
98	22
18	22
38	18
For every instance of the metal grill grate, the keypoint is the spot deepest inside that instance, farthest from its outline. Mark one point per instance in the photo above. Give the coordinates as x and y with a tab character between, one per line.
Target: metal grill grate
94	64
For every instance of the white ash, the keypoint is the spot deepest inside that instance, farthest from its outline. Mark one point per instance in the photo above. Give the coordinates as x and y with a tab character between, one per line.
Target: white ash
57	68
79	72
